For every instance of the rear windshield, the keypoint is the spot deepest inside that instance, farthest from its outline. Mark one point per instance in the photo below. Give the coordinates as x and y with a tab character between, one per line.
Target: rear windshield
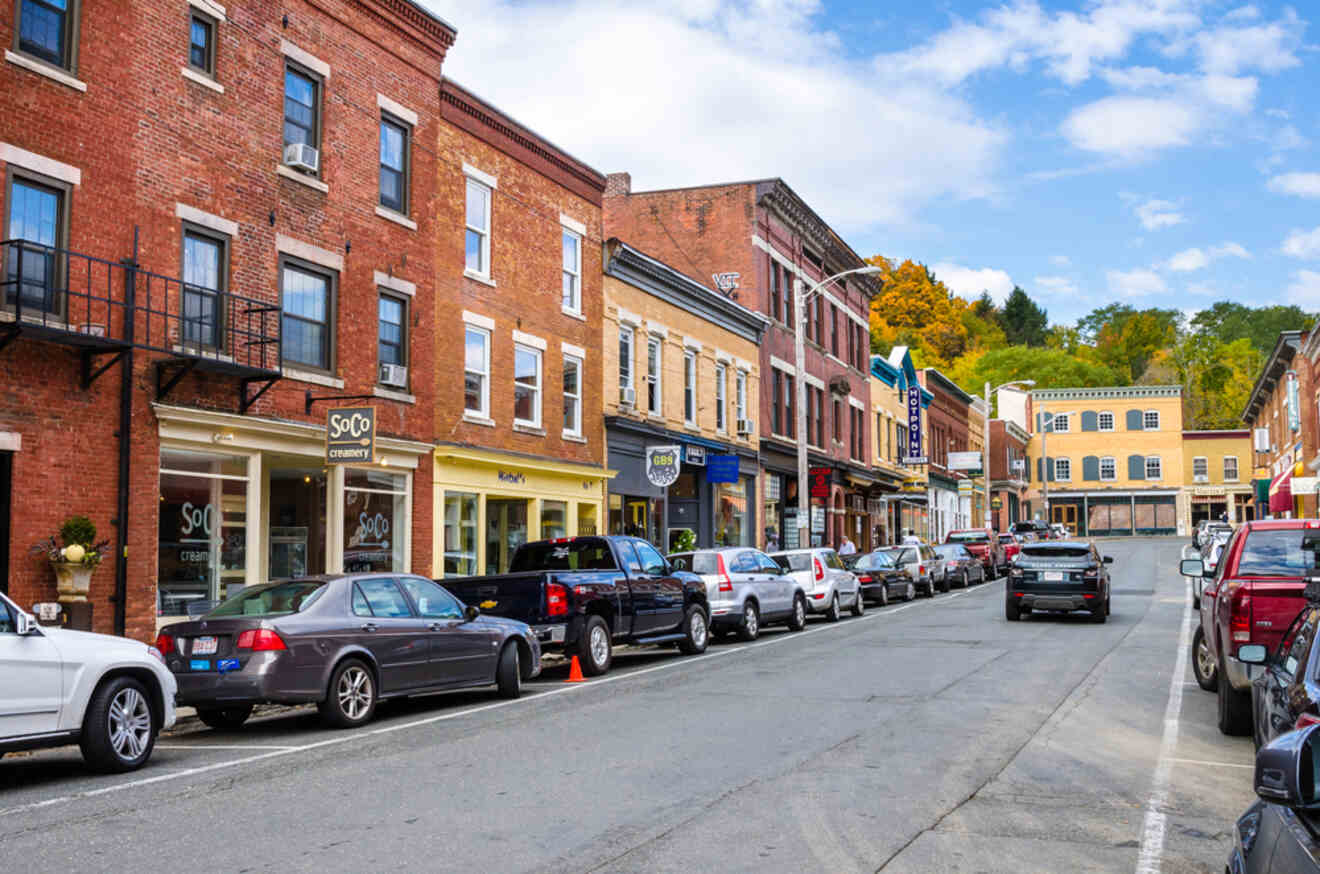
1055	550
1006	538
1288	552
950	551
697	562
969	537
901	555
275	599
874	561
794	561
577	554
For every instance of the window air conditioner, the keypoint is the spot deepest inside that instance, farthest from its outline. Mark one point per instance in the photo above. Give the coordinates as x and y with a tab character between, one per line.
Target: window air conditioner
394	374
744	427
627	396
1201	478
301	156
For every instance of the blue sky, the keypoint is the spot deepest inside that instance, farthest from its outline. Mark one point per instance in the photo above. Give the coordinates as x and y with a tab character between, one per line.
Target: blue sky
1154	152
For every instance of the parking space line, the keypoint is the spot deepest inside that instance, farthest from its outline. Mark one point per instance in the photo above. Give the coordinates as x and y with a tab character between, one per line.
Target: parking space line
1213	764
224	747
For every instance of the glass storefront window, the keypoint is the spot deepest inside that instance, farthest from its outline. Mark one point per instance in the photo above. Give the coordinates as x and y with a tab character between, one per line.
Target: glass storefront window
375	503
731	523
586	526
637	517
506	530
460	557
554	519
297	522
203	529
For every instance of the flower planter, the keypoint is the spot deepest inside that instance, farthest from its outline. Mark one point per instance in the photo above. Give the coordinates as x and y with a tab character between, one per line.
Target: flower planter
72	580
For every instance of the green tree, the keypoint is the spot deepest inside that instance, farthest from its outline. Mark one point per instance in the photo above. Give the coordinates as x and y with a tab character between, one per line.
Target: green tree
1023	321
1127	339
1050	368
1228	320
1217	378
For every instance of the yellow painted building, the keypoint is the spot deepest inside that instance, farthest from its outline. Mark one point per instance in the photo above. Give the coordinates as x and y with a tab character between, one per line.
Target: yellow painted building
904	487
1108	461
1217	475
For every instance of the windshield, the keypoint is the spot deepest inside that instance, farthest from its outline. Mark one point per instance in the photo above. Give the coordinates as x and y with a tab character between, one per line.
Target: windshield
1288	552
1055	550
969	537
794	561
950	551
576	554
874	561
274	599
1006	538
697	562
898	556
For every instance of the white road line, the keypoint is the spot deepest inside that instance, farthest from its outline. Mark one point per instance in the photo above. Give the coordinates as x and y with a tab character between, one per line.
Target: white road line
223	747
456	714
1150	858
1214	764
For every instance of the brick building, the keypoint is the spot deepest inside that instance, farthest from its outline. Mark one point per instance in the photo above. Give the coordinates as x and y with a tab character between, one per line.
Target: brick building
762	243
520	442
1009	467
222	224
949	431
1284	404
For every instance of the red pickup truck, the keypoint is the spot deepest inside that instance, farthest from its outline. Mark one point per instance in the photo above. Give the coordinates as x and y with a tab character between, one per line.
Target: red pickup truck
984	544
1253	598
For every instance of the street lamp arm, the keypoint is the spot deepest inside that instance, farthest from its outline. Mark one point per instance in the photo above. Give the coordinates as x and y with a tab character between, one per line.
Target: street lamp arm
818	287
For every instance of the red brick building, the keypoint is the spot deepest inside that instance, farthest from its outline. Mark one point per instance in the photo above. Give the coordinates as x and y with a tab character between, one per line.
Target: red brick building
227	216
1008	473
757	241
947	431
1284	402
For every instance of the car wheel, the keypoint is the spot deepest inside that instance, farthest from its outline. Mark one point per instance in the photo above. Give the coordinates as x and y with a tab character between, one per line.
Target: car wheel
859	606
1203	664
965	582
833	613
1234	707
1107	604
695	632
1011	612
351	699
930	588
798	620
910	593
884	595
1099	615
991	573
509	674
751	624
224	718
596	649
120	727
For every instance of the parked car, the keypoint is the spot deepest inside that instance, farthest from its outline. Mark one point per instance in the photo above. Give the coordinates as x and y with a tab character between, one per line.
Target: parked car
1011	545
1276	834
1197	530
581	595
880	578
1034	527
1058	576
1285	693
1253	598
960	565
920	563
828	585
746	590
984	544
1059	531
110	695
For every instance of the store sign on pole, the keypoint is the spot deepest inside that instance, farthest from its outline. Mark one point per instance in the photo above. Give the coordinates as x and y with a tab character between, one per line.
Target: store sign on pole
914	426
350	436
1294	403
662	464
820	482
968	462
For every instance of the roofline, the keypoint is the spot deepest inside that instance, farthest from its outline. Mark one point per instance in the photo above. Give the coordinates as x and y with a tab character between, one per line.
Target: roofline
1286	338
696	187
1244	433
949	385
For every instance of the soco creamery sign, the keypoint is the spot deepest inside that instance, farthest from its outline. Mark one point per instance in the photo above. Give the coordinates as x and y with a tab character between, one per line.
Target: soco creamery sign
350	436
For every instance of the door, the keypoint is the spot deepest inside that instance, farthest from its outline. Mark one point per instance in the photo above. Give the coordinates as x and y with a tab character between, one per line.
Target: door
1065	514
669	592
386	626
30	680
6	493
460	651
778	585
506	530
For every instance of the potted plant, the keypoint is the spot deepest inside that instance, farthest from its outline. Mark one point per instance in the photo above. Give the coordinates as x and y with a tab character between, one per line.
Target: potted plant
75	560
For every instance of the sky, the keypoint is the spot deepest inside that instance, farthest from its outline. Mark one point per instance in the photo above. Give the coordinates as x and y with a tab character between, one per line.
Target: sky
1149	152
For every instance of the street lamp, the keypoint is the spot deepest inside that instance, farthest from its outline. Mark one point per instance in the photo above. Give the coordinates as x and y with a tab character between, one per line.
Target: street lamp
985	446
1045	425
800	391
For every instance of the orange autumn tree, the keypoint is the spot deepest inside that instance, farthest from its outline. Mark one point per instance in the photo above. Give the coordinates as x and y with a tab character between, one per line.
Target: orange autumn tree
915	309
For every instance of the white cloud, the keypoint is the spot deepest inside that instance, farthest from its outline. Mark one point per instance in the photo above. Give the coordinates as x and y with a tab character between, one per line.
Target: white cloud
1304	290
1155	214
1060	260
969	282
1196	259
1300	184
1132	127
1303	244
1060	286
1135	283
1243	13
1269	48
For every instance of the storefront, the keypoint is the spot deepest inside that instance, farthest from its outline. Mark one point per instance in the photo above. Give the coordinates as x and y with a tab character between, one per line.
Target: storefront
1116	513
245	500
944	513
489	503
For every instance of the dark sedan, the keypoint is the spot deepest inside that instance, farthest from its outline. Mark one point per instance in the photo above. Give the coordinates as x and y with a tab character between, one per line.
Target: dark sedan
960	566
1286	693
343	643
882	580
1058	576
1277	833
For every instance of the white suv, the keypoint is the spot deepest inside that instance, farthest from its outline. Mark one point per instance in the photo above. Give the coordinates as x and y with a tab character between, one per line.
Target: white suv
110	695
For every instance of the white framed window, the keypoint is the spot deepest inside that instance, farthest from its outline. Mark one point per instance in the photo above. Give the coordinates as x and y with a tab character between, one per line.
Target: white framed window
654	366
572	396
740	395
476	371
1154	469
1063	469
1150	420
690	388
477	243
721	411
1059	424
526	385
1108	469
1104	420
626	337
572	246
1200	468
1230	468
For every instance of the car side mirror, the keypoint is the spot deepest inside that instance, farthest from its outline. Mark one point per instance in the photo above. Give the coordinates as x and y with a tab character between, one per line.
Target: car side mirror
1191	567
1253	654
24	624
472	611
1285	770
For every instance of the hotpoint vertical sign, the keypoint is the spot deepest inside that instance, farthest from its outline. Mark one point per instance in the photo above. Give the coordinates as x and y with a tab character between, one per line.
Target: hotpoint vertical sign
914	455
1294	403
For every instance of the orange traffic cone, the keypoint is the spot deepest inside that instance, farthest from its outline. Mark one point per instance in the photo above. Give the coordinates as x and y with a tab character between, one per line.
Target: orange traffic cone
575	672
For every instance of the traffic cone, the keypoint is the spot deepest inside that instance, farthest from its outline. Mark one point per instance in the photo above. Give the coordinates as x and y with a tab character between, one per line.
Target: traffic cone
575	672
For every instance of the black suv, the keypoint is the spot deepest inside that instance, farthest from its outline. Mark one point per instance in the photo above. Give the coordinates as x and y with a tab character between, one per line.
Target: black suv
1058	576
1035	527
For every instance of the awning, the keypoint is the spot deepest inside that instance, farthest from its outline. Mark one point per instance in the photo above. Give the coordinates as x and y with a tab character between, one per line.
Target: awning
1262	491
1281	492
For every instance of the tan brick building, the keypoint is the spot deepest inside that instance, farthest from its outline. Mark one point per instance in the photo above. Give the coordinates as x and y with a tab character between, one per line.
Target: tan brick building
1217	476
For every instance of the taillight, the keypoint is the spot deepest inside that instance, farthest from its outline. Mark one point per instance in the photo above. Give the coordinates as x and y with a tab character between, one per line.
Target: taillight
164	643
1239	620
726	584
1306	719
921	569
260	640
864	579
820	569
556	599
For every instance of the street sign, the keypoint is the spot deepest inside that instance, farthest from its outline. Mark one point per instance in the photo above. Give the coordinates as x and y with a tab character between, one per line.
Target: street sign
914	423
820	482
721	468
967	461
662	464
350	436
915	459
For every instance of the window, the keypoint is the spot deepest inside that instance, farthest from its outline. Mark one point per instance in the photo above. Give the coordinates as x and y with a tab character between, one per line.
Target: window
837	409
1108	469
690	387
626	335
394	155
1200	468
776	310
790	301
790	398
460	547
375	520
1230	468
852	343
855	432
740	395
382	597
476	371
46	30
38	214
654	363
204	263
572	396
721	414
526	385
1062	469
1150	420
1153	469
201	43
1104	420
432	601
478	229
1059	424
308	303
302	101
393	332
776	398
572	244
834	330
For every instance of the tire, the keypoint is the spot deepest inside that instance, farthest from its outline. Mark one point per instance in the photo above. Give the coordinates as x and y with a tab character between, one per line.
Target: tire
911	592
1107	611
798	619
351	699
884	595
1203	666
833	613
120	727
595	648
1011	612
1099	616
1234	708
991	573
859	606
696	632
508	676
965	581
1196	602
750	629
930	588
224	718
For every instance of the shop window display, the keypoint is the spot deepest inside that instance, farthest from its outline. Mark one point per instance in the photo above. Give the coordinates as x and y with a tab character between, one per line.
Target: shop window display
374	520
203	529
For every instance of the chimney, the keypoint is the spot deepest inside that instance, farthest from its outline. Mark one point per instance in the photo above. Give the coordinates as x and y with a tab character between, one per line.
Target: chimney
617	184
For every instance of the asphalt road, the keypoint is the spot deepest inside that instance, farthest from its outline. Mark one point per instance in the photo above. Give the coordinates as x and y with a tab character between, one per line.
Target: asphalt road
927	737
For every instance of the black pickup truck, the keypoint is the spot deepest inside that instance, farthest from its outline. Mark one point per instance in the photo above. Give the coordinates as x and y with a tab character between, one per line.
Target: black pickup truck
584	594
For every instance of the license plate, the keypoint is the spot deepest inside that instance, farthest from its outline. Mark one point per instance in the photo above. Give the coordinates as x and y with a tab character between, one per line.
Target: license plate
224	666
203	646
1052	576
200	664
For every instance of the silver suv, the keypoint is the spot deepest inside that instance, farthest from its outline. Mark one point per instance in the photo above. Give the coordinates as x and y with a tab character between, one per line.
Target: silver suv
828	585
921	564
746	589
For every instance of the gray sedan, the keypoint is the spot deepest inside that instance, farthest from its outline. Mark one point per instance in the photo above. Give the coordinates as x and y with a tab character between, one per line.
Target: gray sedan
343	643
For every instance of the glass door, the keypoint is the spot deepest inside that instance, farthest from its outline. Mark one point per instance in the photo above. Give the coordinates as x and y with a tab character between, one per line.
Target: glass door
506	530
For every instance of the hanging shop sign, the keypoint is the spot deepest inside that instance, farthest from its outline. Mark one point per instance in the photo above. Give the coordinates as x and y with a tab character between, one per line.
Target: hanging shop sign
819	479
968	462
996	503
350	436
662	464
721	468
694	455
914	455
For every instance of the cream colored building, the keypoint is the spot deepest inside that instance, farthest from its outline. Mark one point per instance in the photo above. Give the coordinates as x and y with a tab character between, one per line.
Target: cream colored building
1217	467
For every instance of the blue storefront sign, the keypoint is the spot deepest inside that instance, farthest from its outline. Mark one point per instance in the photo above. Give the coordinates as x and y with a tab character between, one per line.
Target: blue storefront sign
721	468
914	455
